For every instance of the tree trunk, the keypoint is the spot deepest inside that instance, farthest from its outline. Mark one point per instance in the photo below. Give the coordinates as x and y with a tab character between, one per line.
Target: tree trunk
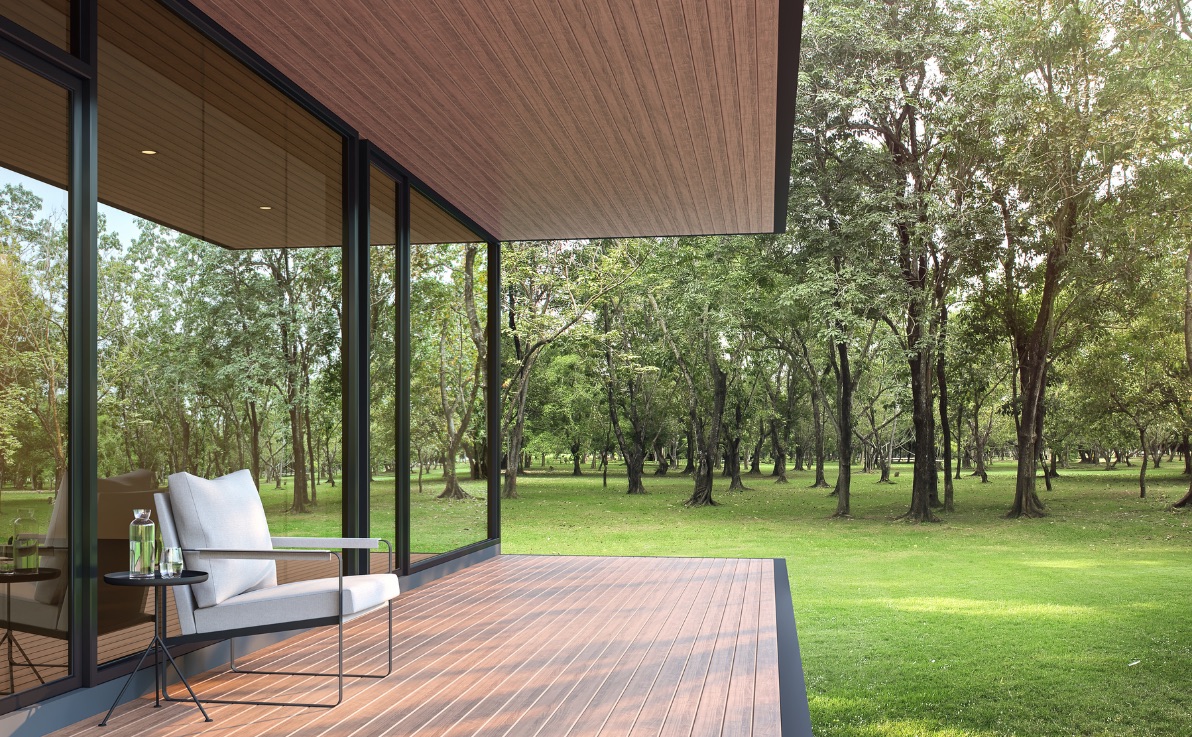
922	416
575	459
945	425
515	437
733	460
1187	498
755	461
632	448
1026	499
709	440
779	449
844	403
1142	471
690	467
312	477
300	498
451	487
817	419
1030	351
660	455
254	424
960	453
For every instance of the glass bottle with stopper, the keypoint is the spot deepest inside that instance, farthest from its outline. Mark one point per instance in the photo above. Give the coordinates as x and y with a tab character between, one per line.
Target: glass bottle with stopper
142	544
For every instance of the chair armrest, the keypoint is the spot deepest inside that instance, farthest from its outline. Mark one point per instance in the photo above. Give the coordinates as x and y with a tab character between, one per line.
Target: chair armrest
226	554
346	543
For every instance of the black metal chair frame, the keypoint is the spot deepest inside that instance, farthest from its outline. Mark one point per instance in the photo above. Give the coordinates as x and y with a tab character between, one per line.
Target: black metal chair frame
338	620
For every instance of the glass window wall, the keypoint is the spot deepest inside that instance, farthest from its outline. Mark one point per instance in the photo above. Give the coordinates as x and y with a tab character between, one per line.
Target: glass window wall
34	422
220	292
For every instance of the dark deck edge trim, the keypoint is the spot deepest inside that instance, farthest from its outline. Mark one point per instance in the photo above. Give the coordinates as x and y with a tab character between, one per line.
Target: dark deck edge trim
790	38
792	688
445	566
450	555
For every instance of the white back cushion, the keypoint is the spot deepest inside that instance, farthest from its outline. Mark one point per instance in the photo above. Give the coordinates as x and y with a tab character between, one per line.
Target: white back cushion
57	539
222	513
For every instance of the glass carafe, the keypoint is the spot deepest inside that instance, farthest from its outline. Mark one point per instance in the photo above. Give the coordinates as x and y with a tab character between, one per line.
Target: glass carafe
142	544
25	550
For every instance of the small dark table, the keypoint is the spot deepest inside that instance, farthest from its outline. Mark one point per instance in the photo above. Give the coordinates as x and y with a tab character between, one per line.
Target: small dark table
8	579
158	644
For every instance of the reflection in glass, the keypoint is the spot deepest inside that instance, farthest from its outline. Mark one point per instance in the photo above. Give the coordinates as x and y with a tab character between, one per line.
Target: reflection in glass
49	19
34	430
220	292
383	359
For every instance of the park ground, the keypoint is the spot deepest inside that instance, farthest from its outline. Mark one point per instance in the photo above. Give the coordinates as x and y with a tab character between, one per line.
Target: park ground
1079	623
1076	624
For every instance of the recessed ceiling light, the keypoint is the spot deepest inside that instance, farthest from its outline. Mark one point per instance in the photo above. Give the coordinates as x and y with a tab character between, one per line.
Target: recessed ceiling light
265	207
148	152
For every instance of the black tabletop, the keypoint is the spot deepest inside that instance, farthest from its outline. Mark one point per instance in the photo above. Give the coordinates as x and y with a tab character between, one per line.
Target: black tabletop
41	574
123	578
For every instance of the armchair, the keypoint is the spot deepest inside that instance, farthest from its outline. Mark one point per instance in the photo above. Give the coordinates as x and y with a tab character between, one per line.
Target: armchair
220	525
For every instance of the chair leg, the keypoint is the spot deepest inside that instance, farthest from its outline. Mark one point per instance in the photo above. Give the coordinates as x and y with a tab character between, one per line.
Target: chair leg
339	674
388	655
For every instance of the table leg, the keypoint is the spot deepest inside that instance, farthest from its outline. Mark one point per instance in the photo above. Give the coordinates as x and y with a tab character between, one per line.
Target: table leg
131	676
187	684
12	640
159	635
12	686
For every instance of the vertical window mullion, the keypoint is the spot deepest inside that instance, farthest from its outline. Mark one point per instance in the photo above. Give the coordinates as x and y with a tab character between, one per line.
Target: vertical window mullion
402	399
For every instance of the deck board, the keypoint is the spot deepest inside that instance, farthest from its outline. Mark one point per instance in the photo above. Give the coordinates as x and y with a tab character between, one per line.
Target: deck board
522	646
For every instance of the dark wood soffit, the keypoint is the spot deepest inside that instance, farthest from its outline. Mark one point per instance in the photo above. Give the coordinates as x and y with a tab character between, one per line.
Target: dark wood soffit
555	119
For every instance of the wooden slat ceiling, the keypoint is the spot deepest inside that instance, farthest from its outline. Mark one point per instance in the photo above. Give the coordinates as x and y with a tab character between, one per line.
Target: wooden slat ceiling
554	119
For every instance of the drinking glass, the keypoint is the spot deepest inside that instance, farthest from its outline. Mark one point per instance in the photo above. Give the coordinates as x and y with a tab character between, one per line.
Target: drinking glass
171	562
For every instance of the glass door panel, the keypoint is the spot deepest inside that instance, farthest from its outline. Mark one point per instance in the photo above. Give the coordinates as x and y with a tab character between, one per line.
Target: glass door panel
34	422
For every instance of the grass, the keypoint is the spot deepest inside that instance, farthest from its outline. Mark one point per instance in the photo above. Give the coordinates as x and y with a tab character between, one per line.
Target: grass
1076	624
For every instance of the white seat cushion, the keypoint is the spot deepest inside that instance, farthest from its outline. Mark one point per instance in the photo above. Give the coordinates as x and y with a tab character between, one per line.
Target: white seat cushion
223	513
291	602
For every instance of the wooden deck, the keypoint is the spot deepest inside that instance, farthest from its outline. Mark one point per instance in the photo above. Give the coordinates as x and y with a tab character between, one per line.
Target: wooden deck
524	645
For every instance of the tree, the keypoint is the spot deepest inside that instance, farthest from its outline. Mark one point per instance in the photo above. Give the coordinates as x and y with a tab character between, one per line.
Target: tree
1068	96
551	288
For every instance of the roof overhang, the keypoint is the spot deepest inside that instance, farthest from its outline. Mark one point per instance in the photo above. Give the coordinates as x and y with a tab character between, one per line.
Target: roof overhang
545	120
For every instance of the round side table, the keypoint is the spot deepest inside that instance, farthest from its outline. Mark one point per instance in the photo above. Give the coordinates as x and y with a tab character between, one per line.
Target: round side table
158	644
8	579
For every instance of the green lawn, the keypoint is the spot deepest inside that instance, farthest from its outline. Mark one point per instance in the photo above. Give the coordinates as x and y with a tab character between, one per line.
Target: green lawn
1077	624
